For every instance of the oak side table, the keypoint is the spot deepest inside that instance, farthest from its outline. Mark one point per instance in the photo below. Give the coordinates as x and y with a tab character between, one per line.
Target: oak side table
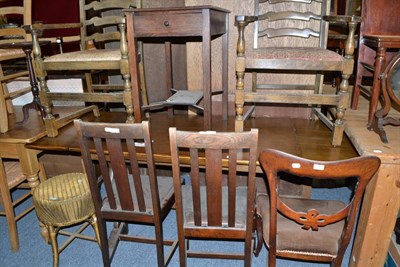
188	23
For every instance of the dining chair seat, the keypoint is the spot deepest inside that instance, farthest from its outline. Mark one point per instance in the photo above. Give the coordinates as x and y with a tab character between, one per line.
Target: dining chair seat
292	238
292	54
6	54
165	192
86	55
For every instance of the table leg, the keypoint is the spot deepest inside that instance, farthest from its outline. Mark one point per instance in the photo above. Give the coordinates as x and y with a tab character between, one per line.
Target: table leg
380	62
30	167
224	62
206	51
377	218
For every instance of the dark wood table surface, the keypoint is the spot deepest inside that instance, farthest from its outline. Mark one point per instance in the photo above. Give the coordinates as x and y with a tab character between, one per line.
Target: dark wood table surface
307	138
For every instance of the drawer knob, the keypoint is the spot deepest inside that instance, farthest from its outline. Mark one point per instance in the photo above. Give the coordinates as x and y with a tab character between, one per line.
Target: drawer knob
166	23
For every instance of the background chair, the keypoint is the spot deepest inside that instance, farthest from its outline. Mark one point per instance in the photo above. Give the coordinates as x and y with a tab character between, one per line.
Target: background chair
310	229
290	38
378	19
13	17
213	208
101	24
130	196
11	179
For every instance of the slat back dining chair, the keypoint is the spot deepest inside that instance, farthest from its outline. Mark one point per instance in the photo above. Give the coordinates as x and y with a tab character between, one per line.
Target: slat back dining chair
310	229
132	194
11	179
102	25
211	208
12	33
287	59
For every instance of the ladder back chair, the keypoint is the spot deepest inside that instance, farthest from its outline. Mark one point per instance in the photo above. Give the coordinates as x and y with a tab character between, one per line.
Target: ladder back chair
102	25
209	207
130	196
10	33
303	228
11	179
290	37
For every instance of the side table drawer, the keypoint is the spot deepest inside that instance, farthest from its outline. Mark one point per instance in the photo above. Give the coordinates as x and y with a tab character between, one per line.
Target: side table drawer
168	24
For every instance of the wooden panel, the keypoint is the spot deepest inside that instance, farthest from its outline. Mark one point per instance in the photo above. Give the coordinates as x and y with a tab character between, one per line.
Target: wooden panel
380	17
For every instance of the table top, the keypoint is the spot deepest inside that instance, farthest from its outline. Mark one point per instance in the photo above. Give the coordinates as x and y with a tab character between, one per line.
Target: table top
376	40
303	137
22	44
28	132
368	142
173	9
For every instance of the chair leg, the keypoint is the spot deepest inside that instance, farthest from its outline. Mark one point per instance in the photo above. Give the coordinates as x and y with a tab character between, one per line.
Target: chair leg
338	127
9	211
159	243
259	233
105	253
54	244
93	223
3	111
247	252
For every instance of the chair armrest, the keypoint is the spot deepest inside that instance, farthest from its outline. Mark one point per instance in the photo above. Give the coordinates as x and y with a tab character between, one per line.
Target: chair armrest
342	19
246	19
351	22
38	27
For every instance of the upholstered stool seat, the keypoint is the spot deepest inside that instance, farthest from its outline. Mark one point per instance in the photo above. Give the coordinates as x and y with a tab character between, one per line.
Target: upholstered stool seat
61	201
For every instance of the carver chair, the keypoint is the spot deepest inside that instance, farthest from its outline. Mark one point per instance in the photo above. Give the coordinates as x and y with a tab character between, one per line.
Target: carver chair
102	25
290	38
133	191
11	32
309	229
12	179
214	206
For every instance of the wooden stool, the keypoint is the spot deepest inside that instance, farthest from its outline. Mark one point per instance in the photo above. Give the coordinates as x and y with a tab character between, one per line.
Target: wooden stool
62	201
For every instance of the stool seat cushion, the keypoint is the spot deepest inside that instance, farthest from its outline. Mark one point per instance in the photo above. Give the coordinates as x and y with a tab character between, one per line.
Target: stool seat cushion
63	200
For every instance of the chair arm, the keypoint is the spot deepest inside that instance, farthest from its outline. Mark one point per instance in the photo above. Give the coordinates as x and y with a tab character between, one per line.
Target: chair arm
40	27
244	18
37	29
351	22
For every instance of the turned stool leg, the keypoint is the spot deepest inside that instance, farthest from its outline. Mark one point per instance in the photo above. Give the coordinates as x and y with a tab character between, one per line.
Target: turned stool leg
54	244
93	223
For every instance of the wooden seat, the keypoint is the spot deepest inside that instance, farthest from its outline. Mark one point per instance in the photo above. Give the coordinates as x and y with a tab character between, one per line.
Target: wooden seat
309	229
12	178
8	56
101	26
63	201
214	206
132	194
288	58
